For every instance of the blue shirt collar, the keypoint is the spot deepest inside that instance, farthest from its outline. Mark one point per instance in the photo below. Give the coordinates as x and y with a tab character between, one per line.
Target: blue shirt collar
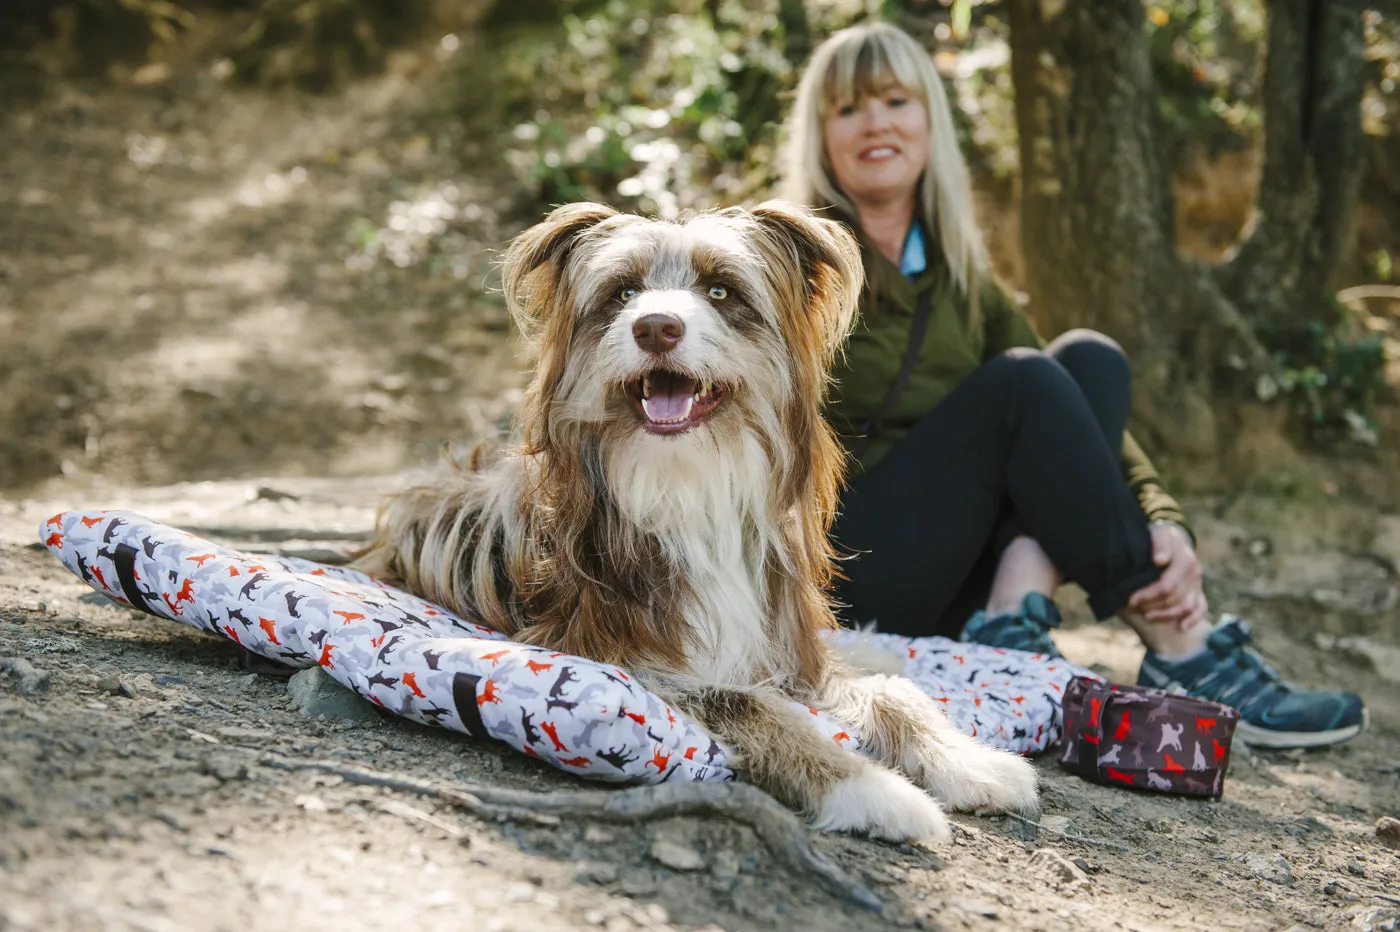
913	261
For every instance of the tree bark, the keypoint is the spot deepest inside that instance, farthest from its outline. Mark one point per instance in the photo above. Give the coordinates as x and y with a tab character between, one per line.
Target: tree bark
1096	210
1302	231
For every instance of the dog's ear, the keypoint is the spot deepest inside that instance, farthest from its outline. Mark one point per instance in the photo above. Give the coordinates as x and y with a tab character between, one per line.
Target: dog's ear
544	248
825	256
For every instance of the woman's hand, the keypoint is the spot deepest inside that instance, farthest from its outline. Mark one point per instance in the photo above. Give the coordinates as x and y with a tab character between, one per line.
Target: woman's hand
1177	597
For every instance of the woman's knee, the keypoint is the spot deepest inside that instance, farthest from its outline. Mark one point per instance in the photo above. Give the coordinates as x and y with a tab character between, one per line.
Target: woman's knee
1084	350
1028	372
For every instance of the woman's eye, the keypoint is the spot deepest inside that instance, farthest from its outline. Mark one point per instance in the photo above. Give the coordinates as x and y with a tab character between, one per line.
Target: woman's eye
719	292
627	293
897	101
846	110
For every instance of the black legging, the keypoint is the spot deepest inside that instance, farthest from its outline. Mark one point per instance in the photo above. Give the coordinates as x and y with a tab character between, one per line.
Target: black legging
1030	443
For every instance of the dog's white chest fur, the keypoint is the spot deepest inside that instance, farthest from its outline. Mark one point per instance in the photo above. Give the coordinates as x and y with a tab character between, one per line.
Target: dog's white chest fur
707	505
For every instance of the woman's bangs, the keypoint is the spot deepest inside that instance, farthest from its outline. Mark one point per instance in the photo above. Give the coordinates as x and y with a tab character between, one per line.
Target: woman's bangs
868	68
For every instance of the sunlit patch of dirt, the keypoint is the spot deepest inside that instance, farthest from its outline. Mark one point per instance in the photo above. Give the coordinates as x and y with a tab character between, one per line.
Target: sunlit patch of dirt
205	280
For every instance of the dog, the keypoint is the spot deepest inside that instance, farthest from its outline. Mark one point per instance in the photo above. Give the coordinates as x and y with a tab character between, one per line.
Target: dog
666	501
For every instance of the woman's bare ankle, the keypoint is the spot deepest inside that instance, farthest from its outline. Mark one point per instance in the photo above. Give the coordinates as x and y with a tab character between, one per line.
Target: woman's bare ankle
1166	639
1024	568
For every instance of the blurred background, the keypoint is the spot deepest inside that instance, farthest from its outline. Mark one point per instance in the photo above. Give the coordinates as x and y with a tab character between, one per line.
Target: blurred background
251	237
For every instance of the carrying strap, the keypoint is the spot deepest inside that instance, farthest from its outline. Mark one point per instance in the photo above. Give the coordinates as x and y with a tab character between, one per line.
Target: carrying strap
1096	698
871	429
125	562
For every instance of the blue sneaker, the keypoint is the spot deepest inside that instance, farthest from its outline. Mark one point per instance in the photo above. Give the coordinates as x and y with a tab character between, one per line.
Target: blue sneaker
1272	713
1028	631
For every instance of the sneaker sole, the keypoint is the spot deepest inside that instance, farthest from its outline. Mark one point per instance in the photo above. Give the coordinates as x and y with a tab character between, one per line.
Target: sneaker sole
1257	737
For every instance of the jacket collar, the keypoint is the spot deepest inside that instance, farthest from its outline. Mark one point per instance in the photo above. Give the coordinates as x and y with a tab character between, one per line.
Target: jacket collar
884	279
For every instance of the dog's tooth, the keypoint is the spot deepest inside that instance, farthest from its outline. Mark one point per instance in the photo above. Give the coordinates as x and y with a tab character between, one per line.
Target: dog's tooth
646	385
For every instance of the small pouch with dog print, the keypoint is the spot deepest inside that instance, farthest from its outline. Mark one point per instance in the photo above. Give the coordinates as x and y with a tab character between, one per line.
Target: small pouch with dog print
1121	735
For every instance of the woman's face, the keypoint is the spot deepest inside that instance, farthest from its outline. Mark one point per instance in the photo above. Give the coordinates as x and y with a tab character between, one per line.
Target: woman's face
878	146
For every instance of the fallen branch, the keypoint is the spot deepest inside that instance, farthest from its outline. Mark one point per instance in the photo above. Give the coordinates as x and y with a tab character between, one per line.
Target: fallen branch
776	826
1084	839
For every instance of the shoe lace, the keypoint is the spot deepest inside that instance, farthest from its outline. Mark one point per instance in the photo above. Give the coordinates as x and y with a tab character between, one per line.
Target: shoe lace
1256	674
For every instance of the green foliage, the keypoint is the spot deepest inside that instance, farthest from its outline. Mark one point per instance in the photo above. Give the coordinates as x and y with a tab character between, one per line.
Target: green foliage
1204	56
1381	265
1334	379
653	106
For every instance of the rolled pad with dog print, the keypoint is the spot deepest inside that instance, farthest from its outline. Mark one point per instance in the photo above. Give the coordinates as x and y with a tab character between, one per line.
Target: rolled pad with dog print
1146	738
406	655
422	662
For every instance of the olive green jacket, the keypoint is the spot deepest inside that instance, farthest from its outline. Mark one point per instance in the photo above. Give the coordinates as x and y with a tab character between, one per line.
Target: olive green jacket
958	340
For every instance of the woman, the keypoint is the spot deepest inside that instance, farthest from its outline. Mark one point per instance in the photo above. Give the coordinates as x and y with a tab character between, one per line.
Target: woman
988	469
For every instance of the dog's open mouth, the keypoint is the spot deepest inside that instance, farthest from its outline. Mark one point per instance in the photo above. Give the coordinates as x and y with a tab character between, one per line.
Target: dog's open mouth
672	402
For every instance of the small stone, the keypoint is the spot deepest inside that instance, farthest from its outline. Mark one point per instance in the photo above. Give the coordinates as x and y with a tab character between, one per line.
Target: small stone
596	835
1273	868
225	771
1388	831
1377	919
676	856
973	907
639	883
1355	869
1057	866
168	679
110	685
725	864
124	688
601	874
32	680
520	893
316	694
1057	824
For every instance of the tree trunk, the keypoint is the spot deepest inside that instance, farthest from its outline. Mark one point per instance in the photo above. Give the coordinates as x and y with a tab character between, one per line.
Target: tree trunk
1097	217
1302	232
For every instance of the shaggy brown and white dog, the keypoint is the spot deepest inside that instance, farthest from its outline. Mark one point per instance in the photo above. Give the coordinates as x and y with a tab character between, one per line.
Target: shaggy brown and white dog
667	505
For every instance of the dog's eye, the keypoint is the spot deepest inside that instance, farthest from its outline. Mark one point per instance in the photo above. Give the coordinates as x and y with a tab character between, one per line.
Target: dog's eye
627	292
719	292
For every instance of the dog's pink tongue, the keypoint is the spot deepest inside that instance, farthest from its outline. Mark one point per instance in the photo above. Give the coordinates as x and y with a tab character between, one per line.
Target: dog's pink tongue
670	396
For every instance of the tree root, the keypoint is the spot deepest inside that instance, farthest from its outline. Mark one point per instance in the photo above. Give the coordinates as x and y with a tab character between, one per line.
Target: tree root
776	826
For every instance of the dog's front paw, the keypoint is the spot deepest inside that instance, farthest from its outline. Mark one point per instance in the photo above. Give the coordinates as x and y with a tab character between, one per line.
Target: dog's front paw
982	777
881	803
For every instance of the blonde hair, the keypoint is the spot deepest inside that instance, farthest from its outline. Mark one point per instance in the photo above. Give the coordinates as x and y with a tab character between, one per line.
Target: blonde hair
864	61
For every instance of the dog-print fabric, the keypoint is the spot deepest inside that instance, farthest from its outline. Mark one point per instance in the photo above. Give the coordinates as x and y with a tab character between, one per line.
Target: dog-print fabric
422	662
1008	698
1147	738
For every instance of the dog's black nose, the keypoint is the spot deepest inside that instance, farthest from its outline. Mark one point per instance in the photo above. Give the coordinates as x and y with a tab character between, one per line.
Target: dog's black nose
658	333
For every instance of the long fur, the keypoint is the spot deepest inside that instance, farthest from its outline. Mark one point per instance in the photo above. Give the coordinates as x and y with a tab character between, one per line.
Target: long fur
699	560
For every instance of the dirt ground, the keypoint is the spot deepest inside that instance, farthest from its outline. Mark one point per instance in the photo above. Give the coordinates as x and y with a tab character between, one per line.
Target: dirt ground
205	283
135	790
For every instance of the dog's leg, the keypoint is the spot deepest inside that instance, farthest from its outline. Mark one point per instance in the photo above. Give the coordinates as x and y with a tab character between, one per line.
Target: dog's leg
836	790
906	729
